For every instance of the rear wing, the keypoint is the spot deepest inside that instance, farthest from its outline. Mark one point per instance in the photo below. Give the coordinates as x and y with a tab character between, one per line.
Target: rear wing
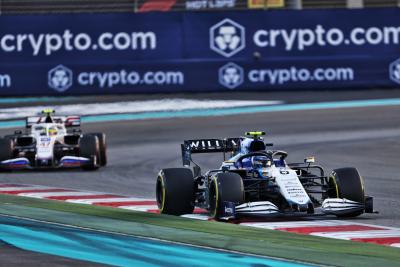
190	147
68	121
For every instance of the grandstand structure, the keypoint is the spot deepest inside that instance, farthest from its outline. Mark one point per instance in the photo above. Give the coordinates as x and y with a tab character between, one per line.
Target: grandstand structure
68	6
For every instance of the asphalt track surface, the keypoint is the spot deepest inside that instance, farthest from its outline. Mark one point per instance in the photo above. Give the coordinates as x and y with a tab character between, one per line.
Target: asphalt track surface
366	138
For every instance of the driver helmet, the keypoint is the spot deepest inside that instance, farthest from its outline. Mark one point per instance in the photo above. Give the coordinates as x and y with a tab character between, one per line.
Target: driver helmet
258	162
53	131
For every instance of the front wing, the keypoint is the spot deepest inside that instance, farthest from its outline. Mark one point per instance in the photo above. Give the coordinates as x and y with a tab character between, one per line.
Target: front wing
24	163
330	206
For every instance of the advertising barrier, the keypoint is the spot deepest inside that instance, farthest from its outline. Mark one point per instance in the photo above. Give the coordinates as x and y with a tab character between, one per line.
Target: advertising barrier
199	51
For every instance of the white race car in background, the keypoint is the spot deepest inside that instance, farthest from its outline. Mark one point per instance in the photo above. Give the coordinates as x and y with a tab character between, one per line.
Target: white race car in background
52	142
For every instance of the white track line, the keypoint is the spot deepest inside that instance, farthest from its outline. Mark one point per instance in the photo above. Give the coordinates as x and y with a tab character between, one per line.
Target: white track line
397	245
5	189
56	194
106	200
139	208
196	217
50	194
176	104
360	234
295	224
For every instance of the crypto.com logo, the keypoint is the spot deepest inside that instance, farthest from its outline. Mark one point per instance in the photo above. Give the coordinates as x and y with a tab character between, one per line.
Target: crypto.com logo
394	71
227	38
60	78
231	75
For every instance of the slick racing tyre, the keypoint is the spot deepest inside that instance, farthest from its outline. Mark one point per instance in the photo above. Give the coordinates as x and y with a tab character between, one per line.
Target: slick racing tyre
90	148
103	148
6	149
225	186
347	183
175	191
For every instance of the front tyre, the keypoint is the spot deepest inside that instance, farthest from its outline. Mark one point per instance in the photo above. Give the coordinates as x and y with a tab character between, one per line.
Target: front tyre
175	191
102	147
347	183
90	148
225	187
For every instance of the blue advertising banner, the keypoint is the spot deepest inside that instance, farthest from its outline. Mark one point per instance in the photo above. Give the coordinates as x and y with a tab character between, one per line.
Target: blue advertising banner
90	37
75	54
289	34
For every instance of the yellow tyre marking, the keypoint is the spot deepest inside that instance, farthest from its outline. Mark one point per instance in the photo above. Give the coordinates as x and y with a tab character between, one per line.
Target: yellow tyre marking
336	186
362	183
216	197
163	193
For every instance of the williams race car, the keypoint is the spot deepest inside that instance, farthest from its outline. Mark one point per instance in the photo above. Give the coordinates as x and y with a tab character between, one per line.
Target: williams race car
257	181
52	142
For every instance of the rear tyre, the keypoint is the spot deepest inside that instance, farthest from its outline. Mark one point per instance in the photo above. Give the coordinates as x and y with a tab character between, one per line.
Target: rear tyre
90	148
347	183
103	148
227	187
175	191
6	149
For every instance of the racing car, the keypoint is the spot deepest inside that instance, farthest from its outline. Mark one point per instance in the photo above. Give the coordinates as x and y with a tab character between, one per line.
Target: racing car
256	181
52	142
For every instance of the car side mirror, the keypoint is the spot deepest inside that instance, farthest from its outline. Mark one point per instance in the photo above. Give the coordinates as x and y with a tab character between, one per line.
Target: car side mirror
17	132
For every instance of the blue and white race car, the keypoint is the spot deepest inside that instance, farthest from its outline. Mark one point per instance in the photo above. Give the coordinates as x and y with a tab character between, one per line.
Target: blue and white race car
52	142
258	181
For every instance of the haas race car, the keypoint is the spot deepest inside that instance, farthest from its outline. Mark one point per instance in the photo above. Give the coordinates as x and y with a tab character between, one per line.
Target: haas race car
258	181
52	142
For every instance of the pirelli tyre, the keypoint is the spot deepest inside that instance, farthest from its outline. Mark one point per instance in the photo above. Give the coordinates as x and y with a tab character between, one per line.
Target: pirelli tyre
227	187
90	148
6	149
347	183
175	191
103	148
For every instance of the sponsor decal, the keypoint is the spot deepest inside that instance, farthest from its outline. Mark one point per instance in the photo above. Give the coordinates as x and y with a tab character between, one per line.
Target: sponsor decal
294	74
209	4
49	43
227	38
5	80
321	36
228	210
212	144
127	77
265	3
394	71
231	75
60	78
